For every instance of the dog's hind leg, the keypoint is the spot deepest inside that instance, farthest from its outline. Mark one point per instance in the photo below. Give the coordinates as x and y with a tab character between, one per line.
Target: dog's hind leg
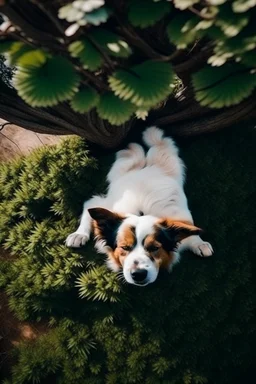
163	153
127	160
82	234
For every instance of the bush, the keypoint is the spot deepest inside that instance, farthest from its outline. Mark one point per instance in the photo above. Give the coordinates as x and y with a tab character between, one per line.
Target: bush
191	327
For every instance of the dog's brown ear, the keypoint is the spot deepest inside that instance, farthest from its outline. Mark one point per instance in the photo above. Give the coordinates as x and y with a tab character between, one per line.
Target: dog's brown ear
106	224
172	232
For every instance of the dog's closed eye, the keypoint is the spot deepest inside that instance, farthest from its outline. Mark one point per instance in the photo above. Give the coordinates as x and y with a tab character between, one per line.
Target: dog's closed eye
126	247
153	248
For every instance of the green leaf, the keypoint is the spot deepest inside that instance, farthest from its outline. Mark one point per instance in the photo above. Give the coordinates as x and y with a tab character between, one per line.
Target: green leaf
88	5
17	50
84	13
249	59
97	17
224	86
141	114
184	4
235	45
32	58
46	83
145	13
87	53
84	100
240	47
231	23
115	110
113	44
179	33
145	84
5	46
70	13
240	6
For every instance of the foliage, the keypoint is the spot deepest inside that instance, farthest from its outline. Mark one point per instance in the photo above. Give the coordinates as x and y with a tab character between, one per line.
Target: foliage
40	80
141	86
134	48
114	109
84	100
193	326
231	85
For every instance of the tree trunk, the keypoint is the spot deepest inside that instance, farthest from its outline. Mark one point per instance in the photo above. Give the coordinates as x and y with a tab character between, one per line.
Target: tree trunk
186	117
60	120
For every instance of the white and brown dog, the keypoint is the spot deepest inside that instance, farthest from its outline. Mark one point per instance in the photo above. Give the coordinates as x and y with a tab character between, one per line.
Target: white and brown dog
143	222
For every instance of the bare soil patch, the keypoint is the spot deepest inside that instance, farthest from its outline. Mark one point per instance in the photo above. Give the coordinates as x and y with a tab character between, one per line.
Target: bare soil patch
16	141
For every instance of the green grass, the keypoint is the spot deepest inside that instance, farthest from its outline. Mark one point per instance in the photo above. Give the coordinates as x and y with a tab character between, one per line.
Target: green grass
196	325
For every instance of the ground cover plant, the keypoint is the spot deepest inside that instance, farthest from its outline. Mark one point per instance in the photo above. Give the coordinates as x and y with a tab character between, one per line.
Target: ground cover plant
196	325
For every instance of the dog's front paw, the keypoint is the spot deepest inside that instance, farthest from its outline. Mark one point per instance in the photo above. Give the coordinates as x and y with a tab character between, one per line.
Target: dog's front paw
203	249
76	240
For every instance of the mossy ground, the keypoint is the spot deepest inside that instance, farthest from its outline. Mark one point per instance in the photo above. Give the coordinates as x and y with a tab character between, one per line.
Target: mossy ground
195	325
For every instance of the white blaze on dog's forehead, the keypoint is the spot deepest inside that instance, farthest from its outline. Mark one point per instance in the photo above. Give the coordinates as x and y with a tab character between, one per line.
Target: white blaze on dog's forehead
130	221
145	227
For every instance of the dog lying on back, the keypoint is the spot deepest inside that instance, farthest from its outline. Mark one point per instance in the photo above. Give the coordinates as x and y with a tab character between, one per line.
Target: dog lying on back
143	222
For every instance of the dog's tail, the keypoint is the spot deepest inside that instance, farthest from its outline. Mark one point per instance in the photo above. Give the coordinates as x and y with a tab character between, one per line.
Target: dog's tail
163	153
153	136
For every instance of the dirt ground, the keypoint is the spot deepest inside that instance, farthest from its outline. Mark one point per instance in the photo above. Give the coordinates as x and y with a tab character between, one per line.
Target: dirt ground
12	332
16	141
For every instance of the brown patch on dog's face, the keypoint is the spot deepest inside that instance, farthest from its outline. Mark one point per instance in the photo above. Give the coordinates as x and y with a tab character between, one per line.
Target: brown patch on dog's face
156	251
125	242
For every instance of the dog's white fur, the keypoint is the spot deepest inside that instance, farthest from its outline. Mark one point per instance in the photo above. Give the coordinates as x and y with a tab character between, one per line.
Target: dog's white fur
152	184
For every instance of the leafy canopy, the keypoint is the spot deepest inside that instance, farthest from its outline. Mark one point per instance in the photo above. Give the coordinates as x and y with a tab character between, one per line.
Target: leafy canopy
134	48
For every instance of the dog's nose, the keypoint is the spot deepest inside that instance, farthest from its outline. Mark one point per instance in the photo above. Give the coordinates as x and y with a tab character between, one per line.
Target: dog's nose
139	275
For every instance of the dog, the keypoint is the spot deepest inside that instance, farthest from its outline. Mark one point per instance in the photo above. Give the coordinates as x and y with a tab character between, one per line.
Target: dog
143	222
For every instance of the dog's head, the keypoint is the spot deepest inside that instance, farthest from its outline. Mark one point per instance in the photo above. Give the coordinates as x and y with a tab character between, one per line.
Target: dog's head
140	245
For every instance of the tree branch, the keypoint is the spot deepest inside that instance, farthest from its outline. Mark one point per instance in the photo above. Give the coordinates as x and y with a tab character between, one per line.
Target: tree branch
27	28
134	39
51	17
99	84
215	120
197	60
199	14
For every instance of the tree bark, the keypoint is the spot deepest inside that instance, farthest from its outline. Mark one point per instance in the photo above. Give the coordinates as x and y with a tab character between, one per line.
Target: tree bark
183	116
207	121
